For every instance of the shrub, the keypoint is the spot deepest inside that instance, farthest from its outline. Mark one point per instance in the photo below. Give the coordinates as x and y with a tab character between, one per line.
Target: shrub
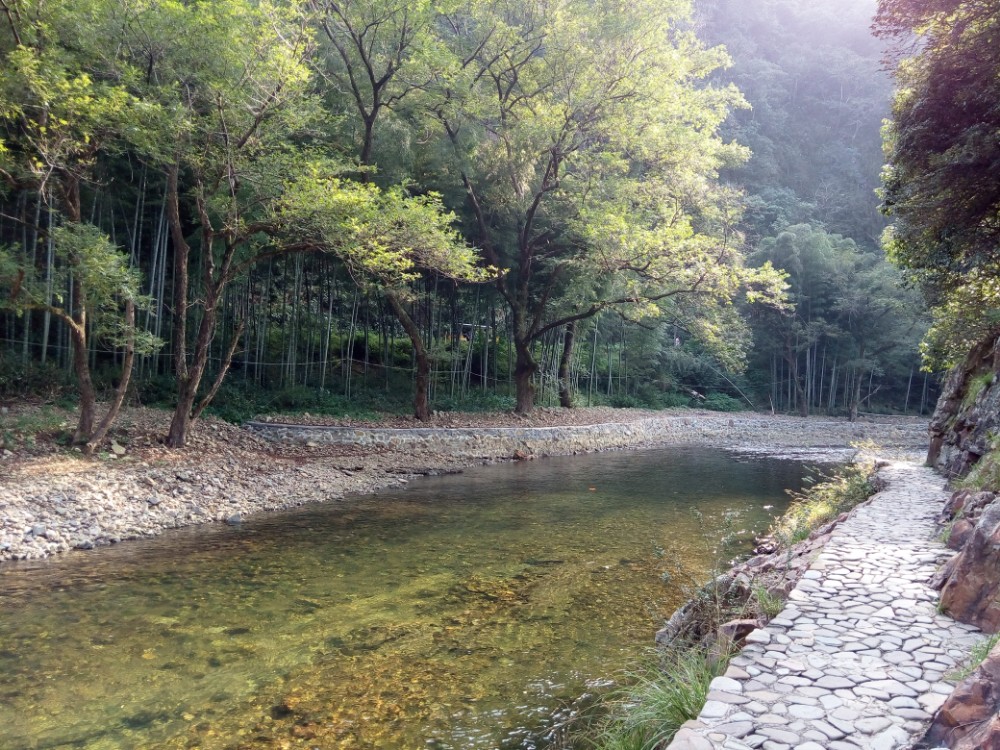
722	402
985	475
34	380
476	401
826	499
626	401
770	605
977	384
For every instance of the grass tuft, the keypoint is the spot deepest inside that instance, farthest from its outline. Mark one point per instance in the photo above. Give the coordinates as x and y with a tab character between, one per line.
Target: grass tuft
770	605
657	700
985	475
977	656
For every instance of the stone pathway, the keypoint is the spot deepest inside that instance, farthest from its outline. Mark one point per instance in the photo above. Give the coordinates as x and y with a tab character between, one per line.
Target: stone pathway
859	658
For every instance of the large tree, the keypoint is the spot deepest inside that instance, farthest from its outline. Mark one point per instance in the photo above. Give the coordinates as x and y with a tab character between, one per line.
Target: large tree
386	239
584	135
63	110
231	85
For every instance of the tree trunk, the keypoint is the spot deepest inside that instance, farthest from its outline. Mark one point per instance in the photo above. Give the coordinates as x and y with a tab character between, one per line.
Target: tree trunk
856	390
565	387
421	384
116	404
802	402
227	361
188	387
81	368
524	370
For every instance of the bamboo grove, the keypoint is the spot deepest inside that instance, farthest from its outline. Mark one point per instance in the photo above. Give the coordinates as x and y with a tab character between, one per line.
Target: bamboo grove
508	201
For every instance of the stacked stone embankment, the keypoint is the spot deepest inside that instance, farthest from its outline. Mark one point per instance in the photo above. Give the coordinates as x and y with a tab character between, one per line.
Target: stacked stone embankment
741	431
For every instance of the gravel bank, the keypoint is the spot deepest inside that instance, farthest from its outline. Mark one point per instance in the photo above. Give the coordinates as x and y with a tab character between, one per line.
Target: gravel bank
53	500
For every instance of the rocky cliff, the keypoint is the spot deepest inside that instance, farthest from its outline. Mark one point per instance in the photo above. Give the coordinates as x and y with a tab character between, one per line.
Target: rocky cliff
966	427
968	411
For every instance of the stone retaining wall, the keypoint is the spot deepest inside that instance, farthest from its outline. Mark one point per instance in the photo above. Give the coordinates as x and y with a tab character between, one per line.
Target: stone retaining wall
722	431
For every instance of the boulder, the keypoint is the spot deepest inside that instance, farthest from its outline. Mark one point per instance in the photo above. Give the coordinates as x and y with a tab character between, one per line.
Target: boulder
967	413
960	534
732	632
955	504
971	592
969	719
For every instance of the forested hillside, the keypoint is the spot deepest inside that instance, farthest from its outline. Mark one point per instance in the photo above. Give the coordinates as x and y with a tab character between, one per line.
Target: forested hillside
245	205
814	76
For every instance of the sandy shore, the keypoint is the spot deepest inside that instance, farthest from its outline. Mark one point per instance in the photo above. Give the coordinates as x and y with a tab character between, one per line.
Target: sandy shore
52	499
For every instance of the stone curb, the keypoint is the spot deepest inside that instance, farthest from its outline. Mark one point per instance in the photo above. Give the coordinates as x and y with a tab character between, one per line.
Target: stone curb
494	442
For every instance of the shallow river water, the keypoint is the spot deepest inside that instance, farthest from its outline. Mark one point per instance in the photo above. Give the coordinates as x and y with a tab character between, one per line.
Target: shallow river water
456	613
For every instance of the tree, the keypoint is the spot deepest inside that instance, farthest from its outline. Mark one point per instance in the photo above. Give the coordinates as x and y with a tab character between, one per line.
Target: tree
232	86
60	119
386	239
848	307
812	74
381	52
941	187
586	143
103	296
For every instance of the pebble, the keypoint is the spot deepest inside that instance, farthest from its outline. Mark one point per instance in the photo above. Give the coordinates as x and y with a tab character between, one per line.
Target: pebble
878	653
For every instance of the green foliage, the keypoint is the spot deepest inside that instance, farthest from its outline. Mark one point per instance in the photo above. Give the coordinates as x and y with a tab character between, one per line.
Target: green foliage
85	254
657	700
239	402
941	187
985	474
722	402
34	380
475	401
976	385
815	81
976	657
850	305
578	144
829	496
770	605
17	429
385	236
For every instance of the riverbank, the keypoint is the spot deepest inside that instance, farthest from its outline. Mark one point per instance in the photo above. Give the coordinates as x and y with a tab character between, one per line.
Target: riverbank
52	499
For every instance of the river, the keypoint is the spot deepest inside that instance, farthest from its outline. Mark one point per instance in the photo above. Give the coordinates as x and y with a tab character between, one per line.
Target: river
459	612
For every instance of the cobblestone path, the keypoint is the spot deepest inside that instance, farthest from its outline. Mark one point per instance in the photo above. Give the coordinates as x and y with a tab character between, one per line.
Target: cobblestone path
860	657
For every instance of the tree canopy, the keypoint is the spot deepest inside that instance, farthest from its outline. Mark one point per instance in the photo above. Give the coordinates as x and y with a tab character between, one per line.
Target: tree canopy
515	194
941	186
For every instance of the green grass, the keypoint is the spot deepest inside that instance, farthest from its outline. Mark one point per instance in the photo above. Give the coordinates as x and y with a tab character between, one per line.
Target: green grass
657	700
985	475
977	656
24	429
770	605
977	384
821	503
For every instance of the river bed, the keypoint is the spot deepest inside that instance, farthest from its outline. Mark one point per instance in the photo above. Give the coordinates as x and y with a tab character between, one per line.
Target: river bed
456	613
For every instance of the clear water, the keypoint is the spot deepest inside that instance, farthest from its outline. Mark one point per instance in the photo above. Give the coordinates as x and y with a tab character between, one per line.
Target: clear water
458	612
